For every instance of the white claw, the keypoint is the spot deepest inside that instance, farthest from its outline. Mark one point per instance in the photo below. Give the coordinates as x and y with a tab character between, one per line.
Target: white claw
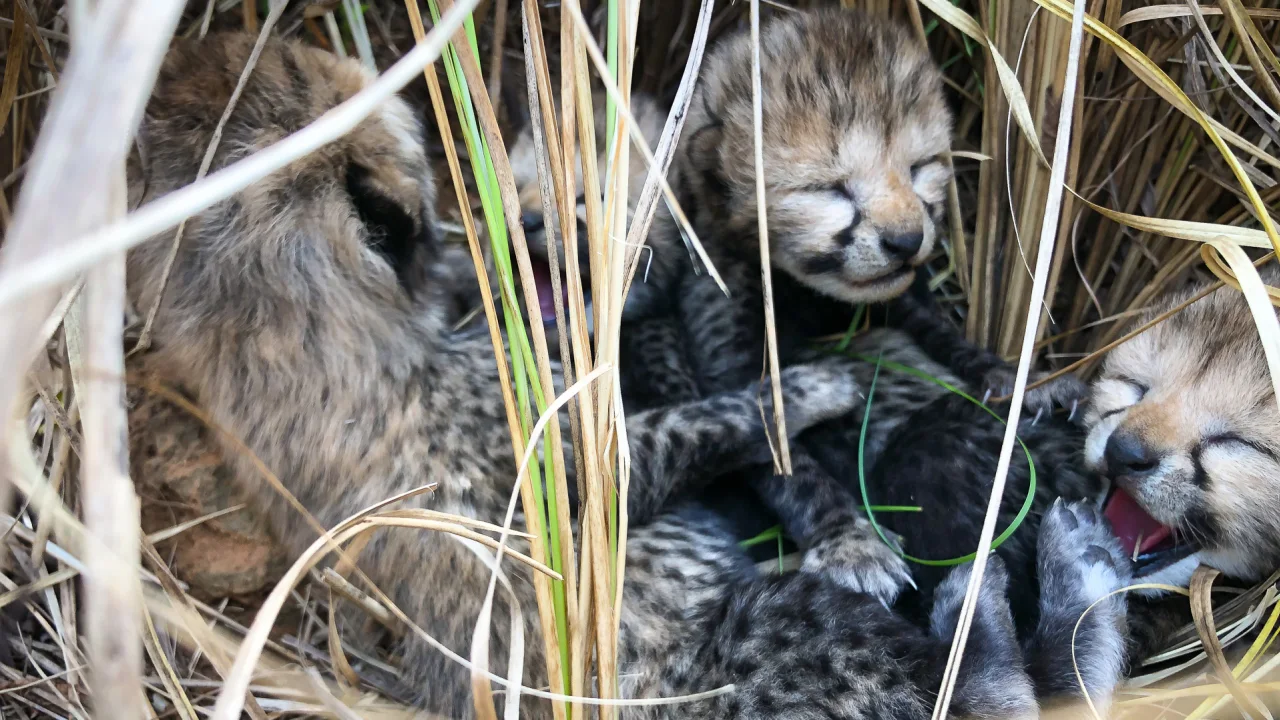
986	396
1075	405
911	582
1037	417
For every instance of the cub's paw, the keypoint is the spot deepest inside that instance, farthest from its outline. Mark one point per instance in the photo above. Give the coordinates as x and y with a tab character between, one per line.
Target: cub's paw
1081	566
859	560
1067	391
817	391
1080	559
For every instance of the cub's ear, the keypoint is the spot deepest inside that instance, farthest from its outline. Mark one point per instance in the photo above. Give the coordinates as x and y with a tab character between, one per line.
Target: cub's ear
392	231
704	146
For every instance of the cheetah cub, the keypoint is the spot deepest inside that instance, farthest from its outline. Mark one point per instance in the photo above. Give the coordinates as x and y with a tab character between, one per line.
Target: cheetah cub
649	117
303	315
654	366
855	133
1183	420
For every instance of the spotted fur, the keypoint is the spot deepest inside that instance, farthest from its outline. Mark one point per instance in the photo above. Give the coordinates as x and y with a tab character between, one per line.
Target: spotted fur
847	98
302	315
854	128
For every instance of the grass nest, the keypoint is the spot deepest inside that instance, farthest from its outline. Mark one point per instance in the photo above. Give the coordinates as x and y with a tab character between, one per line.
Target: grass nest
1173	116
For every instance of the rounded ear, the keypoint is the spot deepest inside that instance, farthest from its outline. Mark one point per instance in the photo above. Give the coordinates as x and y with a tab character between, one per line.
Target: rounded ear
704	147
406	242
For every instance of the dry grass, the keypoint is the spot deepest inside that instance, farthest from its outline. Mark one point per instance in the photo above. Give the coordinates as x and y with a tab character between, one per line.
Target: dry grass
1164	168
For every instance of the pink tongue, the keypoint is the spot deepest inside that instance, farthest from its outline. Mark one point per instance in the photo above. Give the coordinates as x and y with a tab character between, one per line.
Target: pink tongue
1132	524
546	297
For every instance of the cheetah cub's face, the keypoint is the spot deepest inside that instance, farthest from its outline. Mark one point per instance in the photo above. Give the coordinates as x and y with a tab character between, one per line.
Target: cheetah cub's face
649	117
854	131
1184	421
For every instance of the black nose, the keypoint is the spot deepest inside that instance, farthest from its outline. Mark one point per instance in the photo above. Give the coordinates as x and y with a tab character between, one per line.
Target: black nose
1126	454
531	221
903	246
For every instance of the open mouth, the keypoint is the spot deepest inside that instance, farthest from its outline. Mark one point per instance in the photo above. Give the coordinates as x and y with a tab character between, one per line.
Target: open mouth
546	292
1151	545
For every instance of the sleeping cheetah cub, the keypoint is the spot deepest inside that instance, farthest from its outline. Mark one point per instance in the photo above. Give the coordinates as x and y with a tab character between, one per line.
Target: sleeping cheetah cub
1183	419
855	132
649	117
302	315
655	369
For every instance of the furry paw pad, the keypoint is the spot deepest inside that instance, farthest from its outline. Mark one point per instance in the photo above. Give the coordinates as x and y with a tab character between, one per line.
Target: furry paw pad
817	391
1079	556
861	562
1081	565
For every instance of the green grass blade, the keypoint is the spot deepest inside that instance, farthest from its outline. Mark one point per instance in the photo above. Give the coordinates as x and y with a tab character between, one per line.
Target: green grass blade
526	383
862	476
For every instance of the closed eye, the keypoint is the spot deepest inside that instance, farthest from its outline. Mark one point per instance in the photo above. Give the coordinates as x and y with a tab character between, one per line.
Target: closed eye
1142	388
1234	439
917	167
831	188
1134	385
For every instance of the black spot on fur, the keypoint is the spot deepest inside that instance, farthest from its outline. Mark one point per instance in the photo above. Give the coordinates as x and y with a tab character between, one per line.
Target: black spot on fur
1200	478
824	264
